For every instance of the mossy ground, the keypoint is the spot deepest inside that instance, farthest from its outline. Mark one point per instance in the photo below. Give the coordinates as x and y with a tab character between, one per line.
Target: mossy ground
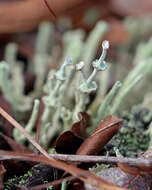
132	139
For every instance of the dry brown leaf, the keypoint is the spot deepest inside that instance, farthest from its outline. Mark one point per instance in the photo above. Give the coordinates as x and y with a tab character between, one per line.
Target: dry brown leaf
69	141
79	128
105	131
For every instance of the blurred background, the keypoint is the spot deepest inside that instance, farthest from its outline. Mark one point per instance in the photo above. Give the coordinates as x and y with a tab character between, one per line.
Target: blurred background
36	36
19	19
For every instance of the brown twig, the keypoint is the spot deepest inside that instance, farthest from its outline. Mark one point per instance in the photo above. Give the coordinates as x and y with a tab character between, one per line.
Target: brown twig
99	159
4	155
56	182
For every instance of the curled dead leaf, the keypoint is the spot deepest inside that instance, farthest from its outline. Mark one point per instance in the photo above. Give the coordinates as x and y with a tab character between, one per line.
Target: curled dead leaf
105	131
69	141
79	128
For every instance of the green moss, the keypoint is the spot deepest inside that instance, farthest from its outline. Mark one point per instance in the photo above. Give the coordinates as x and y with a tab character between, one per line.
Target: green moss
9	184
131	139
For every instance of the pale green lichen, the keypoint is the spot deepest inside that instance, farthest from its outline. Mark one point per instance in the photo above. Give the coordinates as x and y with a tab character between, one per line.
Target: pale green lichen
30	125
133	78
67	90
18	101
42	57
143	51
10	56
105	105
94	38
64	185
88	86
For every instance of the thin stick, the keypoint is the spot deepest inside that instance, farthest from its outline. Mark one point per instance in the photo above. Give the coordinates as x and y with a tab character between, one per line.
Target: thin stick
101	159
4	155
52	183
56	182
